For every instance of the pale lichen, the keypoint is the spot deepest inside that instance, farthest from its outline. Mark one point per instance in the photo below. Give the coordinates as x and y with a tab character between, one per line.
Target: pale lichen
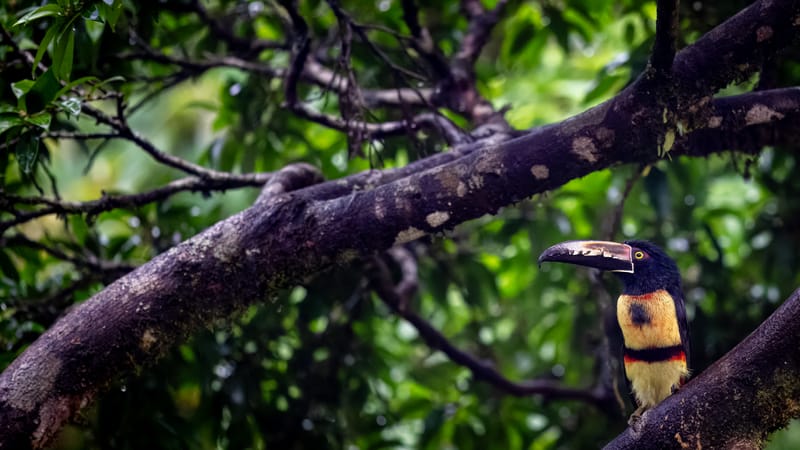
38	375
763	33
488	163
585	149
148	340
437	218
380	210
715	122
408	235
540	171
461	190
605	137
760	113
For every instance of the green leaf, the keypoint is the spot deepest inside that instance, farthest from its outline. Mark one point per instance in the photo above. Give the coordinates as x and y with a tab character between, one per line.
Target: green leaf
3	166
7	267
21	88
72	84
27	152
79	228
41	120
45	11
42	93
94	29
110	11
605	85
49	36
8	121
63	54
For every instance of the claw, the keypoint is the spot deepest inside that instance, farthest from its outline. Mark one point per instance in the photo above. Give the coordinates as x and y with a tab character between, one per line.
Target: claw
637	419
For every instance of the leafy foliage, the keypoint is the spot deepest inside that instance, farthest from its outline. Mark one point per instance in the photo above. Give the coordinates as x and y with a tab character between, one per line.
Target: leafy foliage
327	365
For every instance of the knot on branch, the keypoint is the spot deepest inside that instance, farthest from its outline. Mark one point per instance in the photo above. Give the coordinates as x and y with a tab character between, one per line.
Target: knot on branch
290	178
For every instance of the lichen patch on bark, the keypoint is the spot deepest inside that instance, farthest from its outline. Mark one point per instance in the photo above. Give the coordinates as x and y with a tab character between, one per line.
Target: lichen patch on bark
408	235
449	179
714	121
763	33
585	149
488	163
462	189
761	114
437	218
39	377
380	210
148	339
540	171
605	137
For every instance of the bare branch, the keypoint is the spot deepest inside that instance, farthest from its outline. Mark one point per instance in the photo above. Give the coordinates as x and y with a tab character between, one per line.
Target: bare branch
110	202
666	36
614	218
289	178
85	261
395	297
481	24
125	132
423	42
245	45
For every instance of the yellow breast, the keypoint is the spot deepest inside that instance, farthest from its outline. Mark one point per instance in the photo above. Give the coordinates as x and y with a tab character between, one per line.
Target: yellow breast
648	320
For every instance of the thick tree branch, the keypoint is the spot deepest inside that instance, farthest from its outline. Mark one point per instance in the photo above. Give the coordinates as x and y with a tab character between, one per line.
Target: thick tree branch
290	178
736	50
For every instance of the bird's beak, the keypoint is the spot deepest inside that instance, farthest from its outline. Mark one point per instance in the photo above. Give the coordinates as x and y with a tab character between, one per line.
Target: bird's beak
603	255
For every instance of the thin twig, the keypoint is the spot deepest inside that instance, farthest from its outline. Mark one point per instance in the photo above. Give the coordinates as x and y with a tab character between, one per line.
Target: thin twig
90	262
110	202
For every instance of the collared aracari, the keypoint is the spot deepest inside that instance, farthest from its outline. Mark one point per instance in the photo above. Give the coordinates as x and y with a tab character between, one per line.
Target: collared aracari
650	313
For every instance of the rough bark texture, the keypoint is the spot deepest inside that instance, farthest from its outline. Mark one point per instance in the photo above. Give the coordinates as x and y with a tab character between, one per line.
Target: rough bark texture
292	235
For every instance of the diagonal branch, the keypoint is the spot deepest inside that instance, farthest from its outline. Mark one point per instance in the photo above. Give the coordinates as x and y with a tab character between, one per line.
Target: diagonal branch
397	299
124	131
245	45
481	24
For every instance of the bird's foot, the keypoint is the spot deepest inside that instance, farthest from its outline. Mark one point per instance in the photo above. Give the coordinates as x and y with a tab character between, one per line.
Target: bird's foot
637	419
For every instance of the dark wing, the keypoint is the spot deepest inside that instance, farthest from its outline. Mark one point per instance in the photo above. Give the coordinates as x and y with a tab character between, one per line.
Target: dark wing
683	324
616	347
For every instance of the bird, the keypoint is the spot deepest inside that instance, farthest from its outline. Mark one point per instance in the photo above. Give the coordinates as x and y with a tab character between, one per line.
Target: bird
650	312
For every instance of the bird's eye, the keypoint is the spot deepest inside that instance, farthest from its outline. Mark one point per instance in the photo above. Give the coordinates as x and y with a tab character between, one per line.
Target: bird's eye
639	254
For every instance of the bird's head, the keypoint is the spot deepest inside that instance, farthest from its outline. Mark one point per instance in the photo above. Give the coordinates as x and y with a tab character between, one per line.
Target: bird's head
642	266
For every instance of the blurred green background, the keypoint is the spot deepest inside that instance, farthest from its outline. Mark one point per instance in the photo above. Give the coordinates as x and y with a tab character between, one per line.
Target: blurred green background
327	365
